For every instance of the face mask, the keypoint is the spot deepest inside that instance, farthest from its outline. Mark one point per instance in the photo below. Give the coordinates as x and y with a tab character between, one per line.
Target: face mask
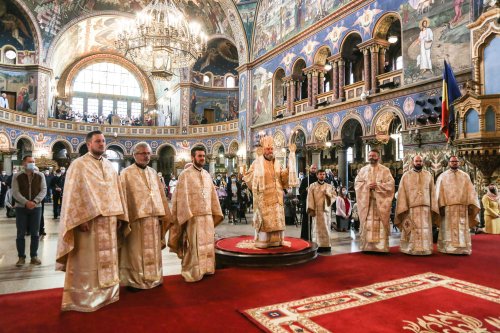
30	166
4	173
63	171
233	179
344	192
335	178
218	178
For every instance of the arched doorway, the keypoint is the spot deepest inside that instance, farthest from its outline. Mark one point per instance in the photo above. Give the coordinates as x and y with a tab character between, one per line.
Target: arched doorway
83	150
115	155
166	161
60	154
351	134
300	80
24	147
299	139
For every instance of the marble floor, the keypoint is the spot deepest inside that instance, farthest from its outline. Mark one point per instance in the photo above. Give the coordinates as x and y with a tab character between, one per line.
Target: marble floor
16	279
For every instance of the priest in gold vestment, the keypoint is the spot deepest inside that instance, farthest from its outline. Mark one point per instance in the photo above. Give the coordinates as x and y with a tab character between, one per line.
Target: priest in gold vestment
87	249
320	197
491	204
149	218
459	207
374	187
196	212
267	179
416	210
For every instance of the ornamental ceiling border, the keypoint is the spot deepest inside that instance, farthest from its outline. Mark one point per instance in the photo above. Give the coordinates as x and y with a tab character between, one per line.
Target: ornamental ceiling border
239	33
306	33
52	46
33	23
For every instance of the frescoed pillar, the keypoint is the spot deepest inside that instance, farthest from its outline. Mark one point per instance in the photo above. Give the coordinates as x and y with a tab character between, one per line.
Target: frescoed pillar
321	83
335	87
313	94
366	63
381	59
374	49
341	79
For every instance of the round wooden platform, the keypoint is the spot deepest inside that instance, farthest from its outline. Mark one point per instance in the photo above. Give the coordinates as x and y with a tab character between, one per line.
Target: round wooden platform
251	257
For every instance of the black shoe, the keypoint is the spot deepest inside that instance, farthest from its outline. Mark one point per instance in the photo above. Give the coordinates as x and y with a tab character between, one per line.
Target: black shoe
133	289
43	233
324	249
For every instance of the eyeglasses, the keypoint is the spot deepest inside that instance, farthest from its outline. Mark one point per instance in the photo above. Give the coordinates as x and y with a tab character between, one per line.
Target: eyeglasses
145	153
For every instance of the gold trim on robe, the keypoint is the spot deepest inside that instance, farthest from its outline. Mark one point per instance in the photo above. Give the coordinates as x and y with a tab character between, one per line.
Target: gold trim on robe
93	195
374	207
459	207
319	205
196	212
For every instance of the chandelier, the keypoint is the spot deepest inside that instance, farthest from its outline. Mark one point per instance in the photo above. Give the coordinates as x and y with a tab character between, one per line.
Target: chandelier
161	40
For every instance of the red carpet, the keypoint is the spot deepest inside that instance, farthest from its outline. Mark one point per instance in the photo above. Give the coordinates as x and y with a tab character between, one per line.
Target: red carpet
245	244
212	304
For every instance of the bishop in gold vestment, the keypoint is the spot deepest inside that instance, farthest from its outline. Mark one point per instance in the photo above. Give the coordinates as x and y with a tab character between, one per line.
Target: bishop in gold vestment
416	210
267	179
149	219
491	204
459	207
196	211
320	197
87	248
374	187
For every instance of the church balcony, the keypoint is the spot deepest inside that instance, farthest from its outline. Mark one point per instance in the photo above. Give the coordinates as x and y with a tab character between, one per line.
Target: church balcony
325	99
354	90
390	80
279	112
300	106
225	127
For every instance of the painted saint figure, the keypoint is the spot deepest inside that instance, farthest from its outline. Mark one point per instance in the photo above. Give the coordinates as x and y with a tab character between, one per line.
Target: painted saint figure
426	38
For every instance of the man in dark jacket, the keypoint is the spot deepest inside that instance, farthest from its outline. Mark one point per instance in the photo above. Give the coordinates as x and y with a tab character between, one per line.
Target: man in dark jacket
305	232
57	186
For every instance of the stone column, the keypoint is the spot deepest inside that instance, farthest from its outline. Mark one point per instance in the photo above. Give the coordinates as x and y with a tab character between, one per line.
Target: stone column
366	63
374	66
154	163
291	96
128	162
476	63
321	82
341	79
211	166
310	88
335	85
313	94
381	59
316	158
230	166
7	163
343	169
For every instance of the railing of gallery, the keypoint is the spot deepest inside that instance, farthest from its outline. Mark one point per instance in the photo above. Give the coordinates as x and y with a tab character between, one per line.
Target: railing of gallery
22	118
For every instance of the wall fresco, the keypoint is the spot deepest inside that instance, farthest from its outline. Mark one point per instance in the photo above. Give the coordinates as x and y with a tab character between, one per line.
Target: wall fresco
223	105
25	85
15	31
220	58
261	94
247	13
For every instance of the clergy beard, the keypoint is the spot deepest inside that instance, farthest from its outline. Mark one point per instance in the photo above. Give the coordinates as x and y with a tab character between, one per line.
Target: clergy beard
454	168
418	167
269	157
199	166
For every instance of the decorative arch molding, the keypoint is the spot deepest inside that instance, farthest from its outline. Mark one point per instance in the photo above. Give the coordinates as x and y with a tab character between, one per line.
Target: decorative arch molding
348	117
294	132
215	148
382	25
65	142
295	63
320	132
119	145
164	145
230	148
376	122
5	142
347	35
80	145
48	59
64	85
321	55
484	30
39	50
27	137
279	139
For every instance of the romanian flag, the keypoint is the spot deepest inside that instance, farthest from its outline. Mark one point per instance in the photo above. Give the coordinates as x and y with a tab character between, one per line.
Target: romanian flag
450	93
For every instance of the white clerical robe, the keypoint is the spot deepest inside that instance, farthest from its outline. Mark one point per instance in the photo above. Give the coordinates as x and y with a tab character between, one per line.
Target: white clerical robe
93	195
416	212
144	236
319	205
196	212
459	207
374	207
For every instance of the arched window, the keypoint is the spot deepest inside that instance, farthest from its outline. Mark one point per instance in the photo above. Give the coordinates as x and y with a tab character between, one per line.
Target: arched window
492	67
230	83
9	55
350	155
490	119
104	88
471	121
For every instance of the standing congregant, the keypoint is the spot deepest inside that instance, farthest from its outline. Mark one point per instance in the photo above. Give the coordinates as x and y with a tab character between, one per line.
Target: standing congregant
196	212
149	217
459	207
416	210
305	232
320	196
267	179
374	187
491	204
87	249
